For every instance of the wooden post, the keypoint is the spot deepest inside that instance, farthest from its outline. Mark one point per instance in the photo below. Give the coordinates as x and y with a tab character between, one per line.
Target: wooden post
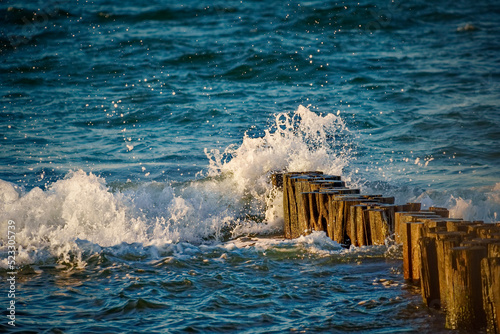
286	208
494	250
301	190
409	207
353	224
397	226
443	212
444	242
433	224
292	206
405	237
363	235
379	226
486	230
411	232
313	205
429	273
490	274
416	258
360	224
323	215
290	210
331	208
336	212
465	298
403	216
454	225
350	229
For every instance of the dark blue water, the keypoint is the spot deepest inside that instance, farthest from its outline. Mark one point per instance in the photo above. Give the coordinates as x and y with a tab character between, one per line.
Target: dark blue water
137	138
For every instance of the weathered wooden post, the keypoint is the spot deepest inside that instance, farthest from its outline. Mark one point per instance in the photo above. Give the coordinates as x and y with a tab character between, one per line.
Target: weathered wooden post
302	188
290	201
361	224
318	214
429	272
332	212
445	241
411	232
379	226
432	225
443	212
408	216
336	218
490	274
416	230
345	215
494	249
465	298
323	214
301	205
286	207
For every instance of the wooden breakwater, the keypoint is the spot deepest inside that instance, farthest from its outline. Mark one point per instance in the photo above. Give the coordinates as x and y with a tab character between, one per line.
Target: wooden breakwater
456	263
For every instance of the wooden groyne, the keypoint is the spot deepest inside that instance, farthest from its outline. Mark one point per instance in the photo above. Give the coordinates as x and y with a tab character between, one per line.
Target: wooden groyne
455	262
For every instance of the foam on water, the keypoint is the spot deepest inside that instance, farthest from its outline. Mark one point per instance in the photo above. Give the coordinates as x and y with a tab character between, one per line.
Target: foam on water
300	141
481	203
80	215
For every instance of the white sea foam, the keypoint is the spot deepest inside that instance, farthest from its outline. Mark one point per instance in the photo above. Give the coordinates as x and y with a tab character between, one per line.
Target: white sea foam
77	216
300	141
481	203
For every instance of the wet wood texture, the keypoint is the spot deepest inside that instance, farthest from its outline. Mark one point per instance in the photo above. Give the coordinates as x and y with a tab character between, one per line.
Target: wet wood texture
455	262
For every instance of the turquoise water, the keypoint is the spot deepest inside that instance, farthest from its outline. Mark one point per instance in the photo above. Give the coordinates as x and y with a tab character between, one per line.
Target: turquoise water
137	139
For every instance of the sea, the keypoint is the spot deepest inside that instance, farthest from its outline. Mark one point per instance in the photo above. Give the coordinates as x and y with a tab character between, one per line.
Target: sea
137	141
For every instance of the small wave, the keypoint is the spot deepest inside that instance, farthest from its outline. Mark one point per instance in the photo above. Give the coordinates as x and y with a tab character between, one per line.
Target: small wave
131	306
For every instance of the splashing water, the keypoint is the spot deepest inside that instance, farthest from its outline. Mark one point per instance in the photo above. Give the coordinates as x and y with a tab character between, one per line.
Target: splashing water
299	142
79	214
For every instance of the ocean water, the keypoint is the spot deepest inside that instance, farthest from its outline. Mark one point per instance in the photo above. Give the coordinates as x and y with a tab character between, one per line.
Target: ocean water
137	139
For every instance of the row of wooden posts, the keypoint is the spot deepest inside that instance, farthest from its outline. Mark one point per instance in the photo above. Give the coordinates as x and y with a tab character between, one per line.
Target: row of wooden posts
455	262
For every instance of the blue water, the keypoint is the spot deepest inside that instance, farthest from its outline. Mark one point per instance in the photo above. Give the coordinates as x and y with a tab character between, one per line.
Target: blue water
137	139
